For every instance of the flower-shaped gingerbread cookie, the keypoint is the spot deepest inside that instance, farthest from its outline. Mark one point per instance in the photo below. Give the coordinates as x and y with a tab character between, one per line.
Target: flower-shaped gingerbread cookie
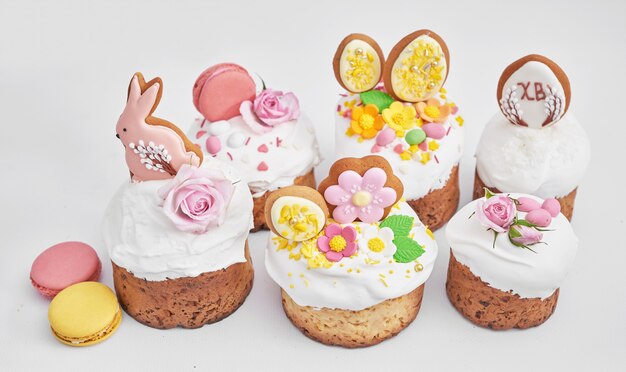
362	189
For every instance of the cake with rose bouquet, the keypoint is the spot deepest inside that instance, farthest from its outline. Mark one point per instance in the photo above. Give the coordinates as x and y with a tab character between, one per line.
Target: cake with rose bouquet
351	258
534	145
509	254
177	231
398	108
258	130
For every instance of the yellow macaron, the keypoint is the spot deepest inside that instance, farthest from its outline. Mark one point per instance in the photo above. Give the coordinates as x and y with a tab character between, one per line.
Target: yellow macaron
84	314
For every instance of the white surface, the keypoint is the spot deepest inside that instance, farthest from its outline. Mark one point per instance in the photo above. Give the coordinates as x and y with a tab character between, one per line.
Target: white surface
64	69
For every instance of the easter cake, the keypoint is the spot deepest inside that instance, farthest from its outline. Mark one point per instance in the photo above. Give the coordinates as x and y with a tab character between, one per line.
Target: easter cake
509	254
258	130
352	257
398	109
176	231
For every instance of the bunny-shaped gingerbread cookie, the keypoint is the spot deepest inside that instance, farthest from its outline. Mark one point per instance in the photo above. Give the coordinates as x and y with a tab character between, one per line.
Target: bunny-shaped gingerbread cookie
155	148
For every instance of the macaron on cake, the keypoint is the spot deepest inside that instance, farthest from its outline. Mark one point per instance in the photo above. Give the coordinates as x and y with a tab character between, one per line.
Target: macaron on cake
398	109
84	314
62	265
534	145
177	231
509	254
352	257
259	130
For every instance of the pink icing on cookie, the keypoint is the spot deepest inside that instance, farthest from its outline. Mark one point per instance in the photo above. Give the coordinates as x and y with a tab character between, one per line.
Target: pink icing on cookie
153	151
363	197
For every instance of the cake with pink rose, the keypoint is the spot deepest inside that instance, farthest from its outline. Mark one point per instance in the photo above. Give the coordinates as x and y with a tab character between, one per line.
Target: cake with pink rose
177	231
351	258
398	108
259	130
509	255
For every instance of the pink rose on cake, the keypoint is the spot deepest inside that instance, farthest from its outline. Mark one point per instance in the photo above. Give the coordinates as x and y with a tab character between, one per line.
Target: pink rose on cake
270	108
521	235
496	212
197	198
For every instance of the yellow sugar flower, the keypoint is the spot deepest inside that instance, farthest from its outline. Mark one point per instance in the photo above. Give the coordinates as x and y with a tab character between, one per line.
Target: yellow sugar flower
366	121
400	117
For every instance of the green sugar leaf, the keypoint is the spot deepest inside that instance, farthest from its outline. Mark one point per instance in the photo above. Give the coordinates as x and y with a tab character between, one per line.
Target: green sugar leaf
407	249
399	223
381	99
488	193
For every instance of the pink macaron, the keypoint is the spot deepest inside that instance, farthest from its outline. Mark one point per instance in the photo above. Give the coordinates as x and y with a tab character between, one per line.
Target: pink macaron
62	265
220	90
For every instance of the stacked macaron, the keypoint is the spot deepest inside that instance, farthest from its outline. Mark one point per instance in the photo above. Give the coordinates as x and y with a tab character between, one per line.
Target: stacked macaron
82	312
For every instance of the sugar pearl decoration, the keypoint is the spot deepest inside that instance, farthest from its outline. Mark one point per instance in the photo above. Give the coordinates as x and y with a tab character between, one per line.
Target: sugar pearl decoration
236	140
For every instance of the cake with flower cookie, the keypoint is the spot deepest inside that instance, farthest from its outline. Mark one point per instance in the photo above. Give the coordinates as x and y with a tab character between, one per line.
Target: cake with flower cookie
258	130
352	257
177	231
398	109
534	145
509	254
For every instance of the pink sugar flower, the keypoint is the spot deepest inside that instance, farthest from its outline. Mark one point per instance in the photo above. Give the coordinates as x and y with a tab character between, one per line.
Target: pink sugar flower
337	242
359	197
497	212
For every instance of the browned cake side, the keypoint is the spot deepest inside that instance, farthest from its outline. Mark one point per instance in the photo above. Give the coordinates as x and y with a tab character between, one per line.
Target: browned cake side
353	329
567	202
492	308
259	203
438	206
185	302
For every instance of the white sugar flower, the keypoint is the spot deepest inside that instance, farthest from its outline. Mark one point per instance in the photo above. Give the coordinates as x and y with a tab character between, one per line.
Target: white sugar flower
376	243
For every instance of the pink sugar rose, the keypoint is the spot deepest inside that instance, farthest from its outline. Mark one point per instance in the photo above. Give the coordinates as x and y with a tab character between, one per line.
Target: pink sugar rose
270	108
497	212
529	236
197	198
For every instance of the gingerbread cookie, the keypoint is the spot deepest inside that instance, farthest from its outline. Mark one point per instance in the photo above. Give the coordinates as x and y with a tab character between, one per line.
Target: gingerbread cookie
417	67
358	63
533	92
362	189
297	213
155	148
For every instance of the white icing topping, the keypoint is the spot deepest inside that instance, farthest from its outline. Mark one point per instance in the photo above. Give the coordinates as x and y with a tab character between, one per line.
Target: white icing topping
510	268
418	179
144	241
547	162
351	283
296	155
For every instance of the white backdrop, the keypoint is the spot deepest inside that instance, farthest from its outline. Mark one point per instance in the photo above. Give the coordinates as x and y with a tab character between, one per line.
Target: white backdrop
64	70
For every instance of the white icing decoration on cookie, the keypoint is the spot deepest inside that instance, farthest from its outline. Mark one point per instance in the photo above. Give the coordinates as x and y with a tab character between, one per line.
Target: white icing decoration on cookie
144	241
533	96
359	66
510	268
548	163
296	218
